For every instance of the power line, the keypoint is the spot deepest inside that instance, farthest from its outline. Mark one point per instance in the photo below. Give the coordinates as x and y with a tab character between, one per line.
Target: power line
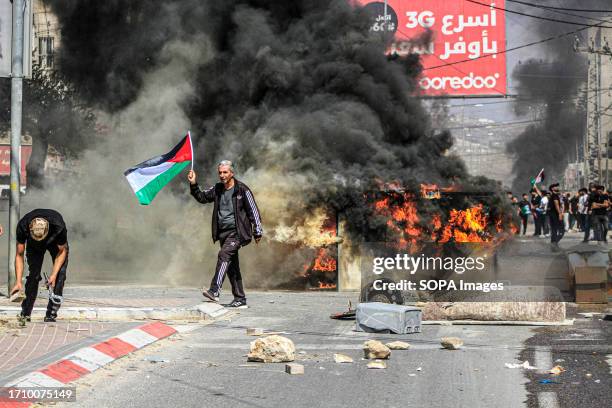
541	7
554	20
560	8
555	37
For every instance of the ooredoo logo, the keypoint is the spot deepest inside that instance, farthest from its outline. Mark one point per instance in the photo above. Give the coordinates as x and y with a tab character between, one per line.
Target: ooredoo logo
456	82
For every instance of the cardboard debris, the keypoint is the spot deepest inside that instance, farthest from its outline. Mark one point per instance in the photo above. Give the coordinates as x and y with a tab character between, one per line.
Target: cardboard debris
294	368
556	370
254	331
377	364
342	358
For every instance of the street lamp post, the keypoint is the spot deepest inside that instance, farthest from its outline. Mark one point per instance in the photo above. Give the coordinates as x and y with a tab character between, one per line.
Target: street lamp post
16	105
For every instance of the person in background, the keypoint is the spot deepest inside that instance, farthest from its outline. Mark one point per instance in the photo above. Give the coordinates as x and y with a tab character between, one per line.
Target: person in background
524	211
555	215
583	208
537	219
588	219
599	214
573	205
542	211
566	211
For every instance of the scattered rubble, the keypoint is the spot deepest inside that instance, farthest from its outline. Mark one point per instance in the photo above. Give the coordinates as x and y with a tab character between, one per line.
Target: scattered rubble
342	358
398	345
524	365
294	368
556	370
451	343
156	359
272	349
377	364
375	349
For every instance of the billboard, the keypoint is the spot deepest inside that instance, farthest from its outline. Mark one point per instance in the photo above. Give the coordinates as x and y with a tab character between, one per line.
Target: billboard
5	160
461	44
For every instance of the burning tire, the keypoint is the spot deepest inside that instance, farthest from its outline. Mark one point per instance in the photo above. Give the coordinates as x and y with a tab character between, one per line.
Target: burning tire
369	294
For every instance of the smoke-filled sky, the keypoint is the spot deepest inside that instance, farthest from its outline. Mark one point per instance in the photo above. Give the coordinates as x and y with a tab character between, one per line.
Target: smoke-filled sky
298	94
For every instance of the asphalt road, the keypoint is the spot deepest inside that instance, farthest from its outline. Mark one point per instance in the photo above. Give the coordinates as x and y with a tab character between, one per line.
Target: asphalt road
208	367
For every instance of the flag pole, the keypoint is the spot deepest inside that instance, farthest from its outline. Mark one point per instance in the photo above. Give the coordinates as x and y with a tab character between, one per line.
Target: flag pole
191	146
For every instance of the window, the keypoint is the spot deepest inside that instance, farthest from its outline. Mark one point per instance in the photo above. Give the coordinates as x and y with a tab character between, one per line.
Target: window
45	52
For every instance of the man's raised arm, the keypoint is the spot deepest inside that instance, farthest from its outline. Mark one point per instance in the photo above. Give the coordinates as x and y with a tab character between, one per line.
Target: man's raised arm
203	196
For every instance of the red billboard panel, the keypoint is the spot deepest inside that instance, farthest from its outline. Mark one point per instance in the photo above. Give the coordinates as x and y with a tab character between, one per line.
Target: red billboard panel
462	44
5	161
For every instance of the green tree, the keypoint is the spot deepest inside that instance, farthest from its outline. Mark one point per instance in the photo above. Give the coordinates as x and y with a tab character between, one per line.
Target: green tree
52	115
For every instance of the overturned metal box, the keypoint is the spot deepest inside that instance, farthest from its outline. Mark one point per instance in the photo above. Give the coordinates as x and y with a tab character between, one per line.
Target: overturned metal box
379	317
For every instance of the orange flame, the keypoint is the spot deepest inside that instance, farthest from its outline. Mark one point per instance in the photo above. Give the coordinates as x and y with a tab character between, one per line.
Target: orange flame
324	261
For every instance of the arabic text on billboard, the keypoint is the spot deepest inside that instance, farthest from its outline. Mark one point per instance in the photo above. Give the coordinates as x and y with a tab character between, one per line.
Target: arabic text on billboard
465	56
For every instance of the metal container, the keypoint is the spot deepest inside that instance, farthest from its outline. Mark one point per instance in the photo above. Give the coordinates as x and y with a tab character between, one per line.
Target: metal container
379	317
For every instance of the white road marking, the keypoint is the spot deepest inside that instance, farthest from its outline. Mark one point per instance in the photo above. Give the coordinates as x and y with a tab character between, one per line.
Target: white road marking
609	361
548	400
543	360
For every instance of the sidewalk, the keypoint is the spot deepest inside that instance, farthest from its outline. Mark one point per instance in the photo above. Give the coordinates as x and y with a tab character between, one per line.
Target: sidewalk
125	302
90	314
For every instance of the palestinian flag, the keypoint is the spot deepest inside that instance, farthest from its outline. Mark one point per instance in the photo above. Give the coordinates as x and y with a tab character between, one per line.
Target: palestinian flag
150	176
539	178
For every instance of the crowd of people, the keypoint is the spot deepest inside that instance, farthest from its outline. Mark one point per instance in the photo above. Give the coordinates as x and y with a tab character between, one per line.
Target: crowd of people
554	212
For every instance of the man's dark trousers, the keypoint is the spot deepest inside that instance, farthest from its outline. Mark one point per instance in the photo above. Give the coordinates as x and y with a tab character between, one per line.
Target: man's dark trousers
538	219
35	261
228	264
599	223
557	229
587	226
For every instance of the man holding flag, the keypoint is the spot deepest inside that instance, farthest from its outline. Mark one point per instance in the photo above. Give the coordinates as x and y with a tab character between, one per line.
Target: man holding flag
235	221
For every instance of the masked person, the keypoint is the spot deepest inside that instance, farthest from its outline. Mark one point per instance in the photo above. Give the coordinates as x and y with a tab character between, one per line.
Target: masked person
40	231
235	221
599	211
555	214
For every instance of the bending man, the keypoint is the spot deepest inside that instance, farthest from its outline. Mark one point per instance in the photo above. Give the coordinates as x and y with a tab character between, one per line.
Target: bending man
40	231
235	221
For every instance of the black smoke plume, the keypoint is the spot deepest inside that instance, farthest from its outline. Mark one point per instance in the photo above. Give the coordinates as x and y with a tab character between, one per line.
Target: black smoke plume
550	90
298	93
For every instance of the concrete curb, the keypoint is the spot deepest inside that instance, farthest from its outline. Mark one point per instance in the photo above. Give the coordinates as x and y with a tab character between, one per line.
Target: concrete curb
88	359
566	322
201	311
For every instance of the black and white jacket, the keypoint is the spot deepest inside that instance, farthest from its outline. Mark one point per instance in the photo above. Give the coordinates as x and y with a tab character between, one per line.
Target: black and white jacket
248	220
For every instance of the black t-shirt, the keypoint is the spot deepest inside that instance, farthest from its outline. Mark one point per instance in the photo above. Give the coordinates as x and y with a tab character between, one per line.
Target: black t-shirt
592	198
566	204
600	199
524	207
551	203
535	201
57	229
574	204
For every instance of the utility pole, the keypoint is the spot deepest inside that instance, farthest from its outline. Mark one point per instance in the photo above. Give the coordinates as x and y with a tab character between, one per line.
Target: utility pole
16	116
594	145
